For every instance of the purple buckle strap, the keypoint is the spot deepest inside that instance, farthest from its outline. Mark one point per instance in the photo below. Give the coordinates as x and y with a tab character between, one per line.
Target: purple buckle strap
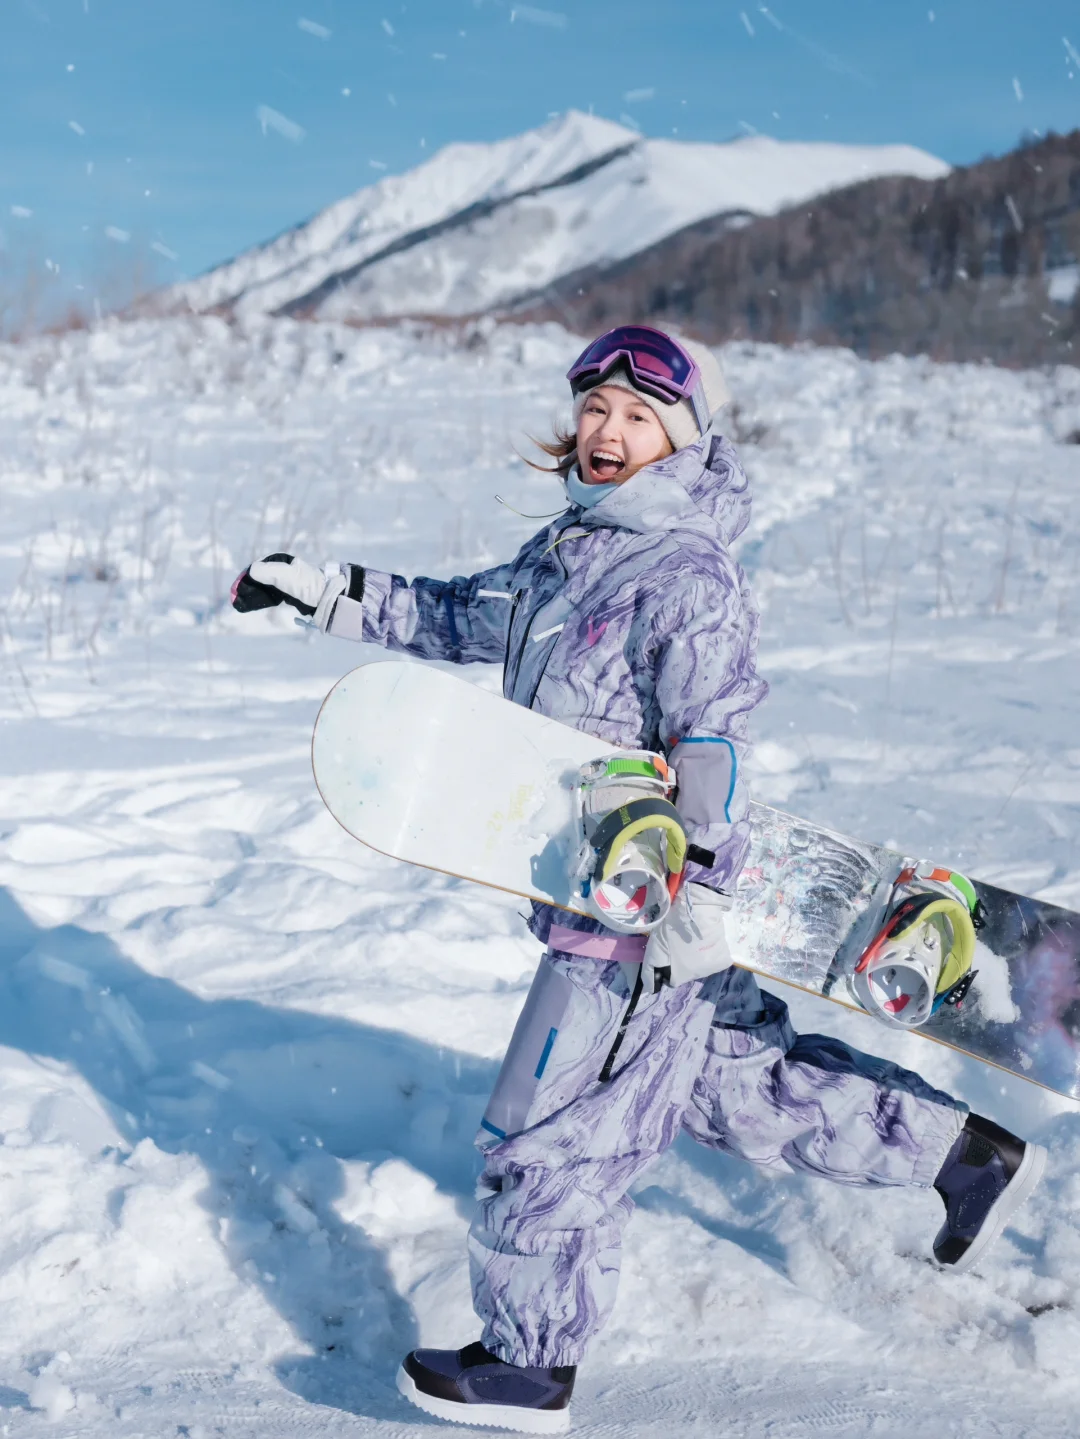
628	948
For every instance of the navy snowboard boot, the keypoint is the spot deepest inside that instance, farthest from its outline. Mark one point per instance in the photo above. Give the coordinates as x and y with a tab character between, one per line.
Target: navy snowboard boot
987	1175
471	1386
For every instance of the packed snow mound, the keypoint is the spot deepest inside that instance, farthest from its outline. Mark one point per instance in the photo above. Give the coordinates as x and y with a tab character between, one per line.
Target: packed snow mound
480	225
242	1058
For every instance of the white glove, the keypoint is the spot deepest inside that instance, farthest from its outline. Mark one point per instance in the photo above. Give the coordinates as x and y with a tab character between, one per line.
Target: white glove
283	579
690	943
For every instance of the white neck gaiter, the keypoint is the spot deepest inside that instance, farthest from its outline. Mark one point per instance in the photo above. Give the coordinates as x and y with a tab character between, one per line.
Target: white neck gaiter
587	495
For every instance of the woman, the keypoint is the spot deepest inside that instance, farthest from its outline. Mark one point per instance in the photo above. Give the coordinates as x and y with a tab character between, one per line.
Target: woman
629	618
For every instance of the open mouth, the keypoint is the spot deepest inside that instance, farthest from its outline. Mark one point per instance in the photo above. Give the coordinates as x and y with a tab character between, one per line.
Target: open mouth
605	465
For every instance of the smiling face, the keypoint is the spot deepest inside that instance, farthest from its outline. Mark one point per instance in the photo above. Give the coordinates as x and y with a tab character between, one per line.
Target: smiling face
617	435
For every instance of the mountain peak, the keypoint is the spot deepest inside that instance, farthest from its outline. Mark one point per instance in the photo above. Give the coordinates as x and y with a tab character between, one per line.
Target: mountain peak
543	156
592	133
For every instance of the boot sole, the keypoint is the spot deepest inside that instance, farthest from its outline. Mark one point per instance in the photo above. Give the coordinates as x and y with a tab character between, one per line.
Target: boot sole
491	1416
1018	1189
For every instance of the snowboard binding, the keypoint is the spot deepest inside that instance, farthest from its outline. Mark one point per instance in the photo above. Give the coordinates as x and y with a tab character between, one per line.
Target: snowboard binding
921	956
633	844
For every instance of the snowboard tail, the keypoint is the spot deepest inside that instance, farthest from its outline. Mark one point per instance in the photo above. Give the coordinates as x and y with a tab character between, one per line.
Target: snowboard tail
810	900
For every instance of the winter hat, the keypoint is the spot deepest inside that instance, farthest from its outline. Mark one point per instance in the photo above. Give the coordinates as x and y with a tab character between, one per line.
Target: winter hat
678	418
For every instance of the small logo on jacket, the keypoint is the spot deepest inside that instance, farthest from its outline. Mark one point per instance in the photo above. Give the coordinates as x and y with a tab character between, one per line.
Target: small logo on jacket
595	633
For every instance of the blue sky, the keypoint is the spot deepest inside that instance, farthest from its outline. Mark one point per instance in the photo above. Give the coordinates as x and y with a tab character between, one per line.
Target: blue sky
139	118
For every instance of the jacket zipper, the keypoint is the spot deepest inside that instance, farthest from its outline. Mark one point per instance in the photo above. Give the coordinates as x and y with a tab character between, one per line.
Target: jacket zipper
514	604
556	560
521	648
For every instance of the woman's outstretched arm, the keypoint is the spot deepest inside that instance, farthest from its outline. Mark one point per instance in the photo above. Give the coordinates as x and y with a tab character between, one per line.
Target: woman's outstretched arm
464	619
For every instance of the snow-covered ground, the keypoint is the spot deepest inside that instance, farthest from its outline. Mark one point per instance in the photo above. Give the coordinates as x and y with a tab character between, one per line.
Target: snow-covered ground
241	1059
480	225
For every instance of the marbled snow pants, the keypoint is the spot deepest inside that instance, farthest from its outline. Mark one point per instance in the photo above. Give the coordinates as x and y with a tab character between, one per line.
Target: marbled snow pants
718	1058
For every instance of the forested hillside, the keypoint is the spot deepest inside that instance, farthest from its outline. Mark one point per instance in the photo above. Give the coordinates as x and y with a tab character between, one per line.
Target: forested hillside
979	264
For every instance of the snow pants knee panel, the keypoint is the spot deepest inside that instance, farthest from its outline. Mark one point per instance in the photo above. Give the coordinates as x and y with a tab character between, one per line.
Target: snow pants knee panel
814	1104
529	1053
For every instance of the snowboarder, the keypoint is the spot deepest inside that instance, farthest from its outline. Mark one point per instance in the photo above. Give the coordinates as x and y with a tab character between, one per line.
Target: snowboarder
629	618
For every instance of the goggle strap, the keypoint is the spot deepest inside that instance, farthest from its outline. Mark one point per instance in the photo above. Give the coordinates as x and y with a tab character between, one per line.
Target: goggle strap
696	397
700	408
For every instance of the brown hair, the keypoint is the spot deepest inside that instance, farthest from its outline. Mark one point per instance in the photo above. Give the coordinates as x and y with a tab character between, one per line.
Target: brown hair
562	448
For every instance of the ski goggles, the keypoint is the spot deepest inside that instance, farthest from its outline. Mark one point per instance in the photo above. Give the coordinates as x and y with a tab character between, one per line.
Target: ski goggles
657	365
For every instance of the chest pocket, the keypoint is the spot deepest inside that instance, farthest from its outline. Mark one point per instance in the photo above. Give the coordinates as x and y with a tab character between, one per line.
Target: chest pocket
531	647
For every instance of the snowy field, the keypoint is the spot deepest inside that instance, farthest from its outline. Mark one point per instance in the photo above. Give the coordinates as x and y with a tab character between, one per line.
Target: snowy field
241	1059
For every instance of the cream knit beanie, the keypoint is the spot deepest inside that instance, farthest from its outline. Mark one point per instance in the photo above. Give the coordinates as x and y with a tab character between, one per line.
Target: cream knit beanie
677	419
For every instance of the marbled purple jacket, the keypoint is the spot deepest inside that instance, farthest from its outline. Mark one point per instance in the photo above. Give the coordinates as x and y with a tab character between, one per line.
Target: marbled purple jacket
630	621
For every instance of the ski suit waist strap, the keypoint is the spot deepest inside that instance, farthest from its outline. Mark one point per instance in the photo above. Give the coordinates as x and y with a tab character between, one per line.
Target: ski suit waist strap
625	947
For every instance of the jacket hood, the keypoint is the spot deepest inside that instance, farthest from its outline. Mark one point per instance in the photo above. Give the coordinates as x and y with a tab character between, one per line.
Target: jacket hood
702	488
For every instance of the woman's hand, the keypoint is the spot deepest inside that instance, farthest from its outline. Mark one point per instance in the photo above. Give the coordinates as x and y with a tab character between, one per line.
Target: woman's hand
276	580
283	579
690	943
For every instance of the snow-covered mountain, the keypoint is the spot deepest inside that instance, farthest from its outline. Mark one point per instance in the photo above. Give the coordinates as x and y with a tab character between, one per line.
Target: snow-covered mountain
479	225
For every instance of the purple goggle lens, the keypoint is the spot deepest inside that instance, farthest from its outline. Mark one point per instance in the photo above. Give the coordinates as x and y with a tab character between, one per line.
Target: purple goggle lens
657	365
655	361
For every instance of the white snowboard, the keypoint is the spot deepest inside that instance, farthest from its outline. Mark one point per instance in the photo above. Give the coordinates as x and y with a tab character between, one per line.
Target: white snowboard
430	769
427	768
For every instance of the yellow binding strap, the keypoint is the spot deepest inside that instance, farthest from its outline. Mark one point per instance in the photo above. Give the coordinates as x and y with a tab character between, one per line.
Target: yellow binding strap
618	828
